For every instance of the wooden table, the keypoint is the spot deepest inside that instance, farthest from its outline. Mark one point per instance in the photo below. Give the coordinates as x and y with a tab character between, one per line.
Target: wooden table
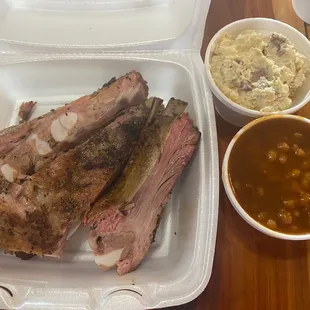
252	271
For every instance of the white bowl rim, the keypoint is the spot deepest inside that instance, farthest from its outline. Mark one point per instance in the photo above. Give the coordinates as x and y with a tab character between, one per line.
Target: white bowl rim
230	193
228	102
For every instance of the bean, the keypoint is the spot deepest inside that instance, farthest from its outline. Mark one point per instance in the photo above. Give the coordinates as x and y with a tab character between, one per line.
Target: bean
296	213
294	174
282	158
289	204
305	196
282	146
305	165
286	217
295	147
300	152
262	216
272	155
272	224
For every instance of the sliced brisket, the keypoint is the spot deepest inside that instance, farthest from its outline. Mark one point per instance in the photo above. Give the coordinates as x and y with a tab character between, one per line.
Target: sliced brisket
35	216
124	221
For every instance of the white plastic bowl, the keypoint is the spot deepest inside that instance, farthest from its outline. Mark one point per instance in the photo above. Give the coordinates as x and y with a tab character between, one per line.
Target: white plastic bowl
234	113
229	189
302	9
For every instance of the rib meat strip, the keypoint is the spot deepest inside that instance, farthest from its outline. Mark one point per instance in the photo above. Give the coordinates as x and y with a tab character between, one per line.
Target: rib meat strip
35	216
142	161
31	145
125	220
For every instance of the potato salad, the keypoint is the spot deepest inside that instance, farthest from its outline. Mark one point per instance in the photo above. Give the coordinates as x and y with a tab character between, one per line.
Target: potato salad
258	72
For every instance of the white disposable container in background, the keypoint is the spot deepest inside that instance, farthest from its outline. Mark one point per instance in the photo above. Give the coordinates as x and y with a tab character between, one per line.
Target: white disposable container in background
56	51
302	9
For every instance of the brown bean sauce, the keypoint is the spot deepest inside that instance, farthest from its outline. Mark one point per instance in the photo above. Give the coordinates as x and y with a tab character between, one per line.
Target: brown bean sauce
269	169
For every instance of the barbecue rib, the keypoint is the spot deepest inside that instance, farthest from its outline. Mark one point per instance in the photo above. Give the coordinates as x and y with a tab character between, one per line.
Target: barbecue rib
28	147
125	220
12	136
26	110
35	216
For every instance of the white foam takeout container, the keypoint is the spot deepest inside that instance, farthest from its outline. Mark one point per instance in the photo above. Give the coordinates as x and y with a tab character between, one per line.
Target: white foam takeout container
56	51
234	113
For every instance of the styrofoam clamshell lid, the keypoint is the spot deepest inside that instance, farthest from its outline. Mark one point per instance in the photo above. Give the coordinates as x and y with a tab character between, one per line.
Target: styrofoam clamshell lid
47	25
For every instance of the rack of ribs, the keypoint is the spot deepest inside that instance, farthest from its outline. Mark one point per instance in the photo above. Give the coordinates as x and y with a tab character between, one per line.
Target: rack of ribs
37	214
125	219
27	147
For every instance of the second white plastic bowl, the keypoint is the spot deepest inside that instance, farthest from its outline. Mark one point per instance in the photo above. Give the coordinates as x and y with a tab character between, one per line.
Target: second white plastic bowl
229	189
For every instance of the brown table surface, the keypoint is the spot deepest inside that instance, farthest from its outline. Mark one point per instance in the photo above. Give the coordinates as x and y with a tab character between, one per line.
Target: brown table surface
252	271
